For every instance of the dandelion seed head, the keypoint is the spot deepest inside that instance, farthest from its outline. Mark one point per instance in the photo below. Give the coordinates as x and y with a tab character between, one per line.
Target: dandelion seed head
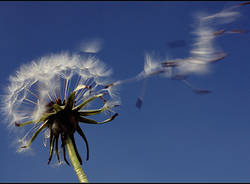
52	77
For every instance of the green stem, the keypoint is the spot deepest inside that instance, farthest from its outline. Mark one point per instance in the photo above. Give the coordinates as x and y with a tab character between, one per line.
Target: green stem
75	162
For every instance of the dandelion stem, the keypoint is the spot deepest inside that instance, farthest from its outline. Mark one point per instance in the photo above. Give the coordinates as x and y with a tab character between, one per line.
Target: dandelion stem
75	162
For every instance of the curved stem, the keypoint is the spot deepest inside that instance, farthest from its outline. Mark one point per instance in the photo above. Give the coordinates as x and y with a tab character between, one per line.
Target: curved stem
75	162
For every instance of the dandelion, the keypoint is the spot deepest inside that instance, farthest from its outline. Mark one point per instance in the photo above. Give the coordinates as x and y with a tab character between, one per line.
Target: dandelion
53	94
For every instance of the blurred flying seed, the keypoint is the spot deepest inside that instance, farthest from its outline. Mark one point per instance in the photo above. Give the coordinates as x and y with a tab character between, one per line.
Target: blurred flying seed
139	102
245	3
219	32
202	91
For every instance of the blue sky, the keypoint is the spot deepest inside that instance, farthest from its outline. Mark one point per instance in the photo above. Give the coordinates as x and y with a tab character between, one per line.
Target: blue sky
176	135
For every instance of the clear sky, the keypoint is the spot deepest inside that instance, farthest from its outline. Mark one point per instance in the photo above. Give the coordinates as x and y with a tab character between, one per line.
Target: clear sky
177	135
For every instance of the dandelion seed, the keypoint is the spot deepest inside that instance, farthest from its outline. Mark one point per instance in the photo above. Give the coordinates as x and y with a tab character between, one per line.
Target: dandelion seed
219	32
151	65
91	46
